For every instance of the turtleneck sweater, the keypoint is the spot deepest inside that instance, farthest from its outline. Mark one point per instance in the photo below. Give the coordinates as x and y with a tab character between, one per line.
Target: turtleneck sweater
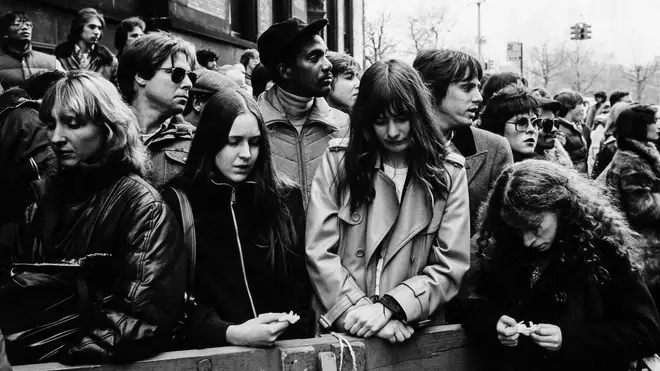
295	108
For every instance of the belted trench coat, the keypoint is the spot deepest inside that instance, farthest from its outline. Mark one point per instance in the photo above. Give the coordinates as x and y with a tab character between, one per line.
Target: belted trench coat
424	242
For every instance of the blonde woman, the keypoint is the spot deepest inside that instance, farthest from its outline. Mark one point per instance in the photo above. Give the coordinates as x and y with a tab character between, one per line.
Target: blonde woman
100	217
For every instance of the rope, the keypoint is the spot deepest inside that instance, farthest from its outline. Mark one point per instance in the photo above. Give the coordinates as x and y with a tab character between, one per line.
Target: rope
343	340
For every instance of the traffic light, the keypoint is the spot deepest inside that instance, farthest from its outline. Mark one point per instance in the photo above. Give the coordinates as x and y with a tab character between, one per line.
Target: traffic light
580	31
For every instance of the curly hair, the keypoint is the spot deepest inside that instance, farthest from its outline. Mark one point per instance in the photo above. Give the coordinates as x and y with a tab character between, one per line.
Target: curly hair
592	234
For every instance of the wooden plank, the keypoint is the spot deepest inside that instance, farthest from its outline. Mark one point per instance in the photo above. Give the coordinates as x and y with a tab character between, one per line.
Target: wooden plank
327	361
224	358
433	342
297	358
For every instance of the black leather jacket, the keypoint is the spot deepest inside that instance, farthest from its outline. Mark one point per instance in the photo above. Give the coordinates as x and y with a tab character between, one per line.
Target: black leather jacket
110	211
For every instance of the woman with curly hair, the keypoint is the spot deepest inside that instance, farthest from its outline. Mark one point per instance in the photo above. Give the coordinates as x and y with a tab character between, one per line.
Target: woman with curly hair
560	283
388	221
98	217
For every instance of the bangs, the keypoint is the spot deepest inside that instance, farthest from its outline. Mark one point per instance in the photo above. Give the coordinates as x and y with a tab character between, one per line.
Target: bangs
518	218
467	69
389	98
69	97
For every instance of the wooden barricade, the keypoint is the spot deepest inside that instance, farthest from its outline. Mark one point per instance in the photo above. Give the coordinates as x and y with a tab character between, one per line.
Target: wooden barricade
434	348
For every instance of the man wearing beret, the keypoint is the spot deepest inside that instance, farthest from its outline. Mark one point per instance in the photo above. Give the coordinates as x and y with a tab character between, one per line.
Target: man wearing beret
300	121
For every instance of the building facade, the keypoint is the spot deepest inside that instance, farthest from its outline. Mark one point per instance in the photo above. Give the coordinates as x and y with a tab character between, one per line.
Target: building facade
226	26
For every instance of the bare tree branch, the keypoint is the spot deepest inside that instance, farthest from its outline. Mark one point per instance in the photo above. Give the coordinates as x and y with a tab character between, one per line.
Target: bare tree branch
548	64
378	43
640	76
427	28
583	68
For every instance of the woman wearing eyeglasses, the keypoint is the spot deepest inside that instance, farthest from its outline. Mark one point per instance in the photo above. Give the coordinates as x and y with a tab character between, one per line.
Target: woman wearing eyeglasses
155	77
512	113
548	146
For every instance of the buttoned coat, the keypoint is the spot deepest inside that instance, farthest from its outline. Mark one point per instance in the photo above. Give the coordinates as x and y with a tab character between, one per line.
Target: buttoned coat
486	156
424	241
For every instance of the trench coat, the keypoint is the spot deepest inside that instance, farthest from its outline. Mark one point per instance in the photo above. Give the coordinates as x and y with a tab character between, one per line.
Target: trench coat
424	242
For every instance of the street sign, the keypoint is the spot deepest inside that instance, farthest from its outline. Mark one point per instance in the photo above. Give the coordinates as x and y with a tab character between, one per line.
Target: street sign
513	51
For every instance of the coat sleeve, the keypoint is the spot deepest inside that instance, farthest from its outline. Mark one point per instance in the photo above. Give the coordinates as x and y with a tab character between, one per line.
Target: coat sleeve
638	199
147	300
631	333
448	260
333	284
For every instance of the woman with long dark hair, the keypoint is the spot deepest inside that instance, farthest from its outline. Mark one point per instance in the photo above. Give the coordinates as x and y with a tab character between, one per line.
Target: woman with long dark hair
100	228
559	284
388	222
249	226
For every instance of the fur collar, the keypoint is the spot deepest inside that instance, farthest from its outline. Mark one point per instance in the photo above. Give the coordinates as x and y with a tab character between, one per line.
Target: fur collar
65	50
646	150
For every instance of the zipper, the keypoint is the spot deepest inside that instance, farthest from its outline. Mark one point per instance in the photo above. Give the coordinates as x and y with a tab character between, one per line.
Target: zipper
240	249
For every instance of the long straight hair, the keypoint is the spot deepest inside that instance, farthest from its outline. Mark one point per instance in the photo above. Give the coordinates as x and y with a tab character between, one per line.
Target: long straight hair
392	87
274	220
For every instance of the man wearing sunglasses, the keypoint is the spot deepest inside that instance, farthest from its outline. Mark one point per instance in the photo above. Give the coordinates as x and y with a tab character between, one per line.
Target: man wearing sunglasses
548	146
17	59
155	76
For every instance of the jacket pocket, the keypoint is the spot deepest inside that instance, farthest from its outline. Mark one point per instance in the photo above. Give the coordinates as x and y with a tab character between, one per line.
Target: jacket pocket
175	159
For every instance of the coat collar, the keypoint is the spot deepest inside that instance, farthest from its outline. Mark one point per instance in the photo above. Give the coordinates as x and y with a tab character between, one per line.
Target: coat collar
466	145
273	112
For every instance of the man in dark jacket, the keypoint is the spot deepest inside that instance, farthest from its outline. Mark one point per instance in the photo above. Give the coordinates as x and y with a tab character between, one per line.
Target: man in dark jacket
299	119
454	81
82	50
571	134
17	59
155	77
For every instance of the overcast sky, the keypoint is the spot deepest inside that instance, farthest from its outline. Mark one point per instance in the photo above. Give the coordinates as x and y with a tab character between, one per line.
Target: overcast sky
623	31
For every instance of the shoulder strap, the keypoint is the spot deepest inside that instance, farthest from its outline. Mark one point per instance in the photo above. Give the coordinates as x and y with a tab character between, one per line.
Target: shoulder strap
189	236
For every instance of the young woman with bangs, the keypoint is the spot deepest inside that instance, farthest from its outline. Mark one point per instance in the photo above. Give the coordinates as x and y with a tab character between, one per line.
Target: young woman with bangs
249	269
560	280
388	219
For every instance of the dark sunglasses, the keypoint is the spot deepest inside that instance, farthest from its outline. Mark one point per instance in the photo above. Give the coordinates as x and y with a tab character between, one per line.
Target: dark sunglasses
522	123
178	74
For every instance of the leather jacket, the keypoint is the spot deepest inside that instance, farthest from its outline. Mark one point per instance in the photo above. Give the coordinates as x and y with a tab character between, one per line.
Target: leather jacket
424	241
111	211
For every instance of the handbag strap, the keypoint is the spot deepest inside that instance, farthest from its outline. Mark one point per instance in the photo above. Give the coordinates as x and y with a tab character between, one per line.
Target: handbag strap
189	236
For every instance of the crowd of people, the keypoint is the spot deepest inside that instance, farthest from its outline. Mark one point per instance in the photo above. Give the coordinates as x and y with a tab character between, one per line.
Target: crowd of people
154	201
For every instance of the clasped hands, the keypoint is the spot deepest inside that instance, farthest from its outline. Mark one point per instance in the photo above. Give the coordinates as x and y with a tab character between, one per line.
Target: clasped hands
545	335
375	319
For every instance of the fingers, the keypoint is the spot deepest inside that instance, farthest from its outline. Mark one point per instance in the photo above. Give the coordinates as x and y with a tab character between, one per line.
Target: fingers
278	327
266	318
508	321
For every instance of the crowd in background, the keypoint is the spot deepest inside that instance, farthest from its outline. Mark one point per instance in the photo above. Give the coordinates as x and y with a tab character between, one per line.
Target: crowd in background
154	201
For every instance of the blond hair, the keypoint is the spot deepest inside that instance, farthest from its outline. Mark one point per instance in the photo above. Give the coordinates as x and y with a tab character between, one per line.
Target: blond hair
90	97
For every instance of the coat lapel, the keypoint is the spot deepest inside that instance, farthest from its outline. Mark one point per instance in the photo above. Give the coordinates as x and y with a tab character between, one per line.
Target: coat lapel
382	213
414	216
474	163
